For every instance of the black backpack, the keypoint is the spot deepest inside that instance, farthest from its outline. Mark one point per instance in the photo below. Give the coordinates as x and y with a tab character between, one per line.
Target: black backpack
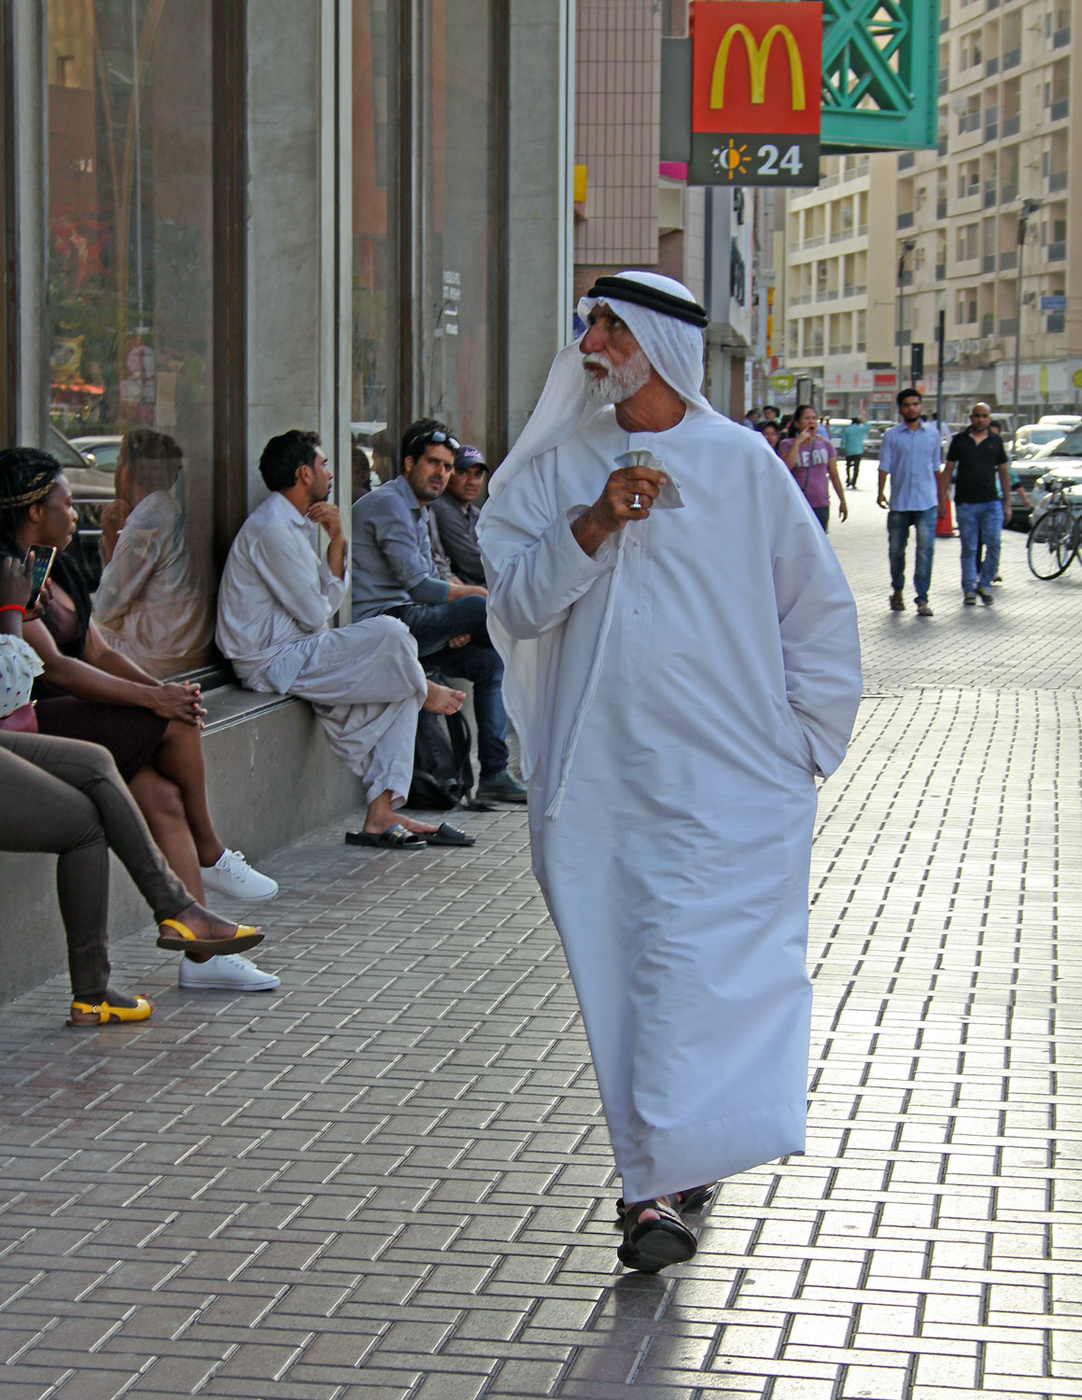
442	772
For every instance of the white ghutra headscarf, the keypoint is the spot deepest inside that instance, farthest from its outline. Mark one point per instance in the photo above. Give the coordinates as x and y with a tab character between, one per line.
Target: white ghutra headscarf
667	322
673	345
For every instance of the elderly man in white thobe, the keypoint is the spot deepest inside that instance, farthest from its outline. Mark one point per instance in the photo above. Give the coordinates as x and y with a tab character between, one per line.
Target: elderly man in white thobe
364	681
682	660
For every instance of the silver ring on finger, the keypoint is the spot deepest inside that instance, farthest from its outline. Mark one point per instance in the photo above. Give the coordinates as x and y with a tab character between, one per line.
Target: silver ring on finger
636	504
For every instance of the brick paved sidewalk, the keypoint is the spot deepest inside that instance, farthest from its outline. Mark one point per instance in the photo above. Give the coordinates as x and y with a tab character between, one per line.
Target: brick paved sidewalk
391	1179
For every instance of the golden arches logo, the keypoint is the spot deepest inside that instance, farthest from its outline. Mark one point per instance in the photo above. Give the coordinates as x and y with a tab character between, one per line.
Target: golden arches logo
758	58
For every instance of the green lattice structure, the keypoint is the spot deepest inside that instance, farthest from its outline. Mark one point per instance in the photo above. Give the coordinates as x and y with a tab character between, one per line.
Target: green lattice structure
880	78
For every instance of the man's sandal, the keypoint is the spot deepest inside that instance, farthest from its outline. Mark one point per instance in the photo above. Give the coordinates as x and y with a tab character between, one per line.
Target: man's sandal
106	1012
686	1202
183	940
651	1245
395	838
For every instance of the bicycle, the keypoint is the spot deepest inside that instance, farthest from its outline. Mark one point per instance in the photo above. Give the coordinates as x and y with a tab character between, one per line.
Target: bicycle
1055	536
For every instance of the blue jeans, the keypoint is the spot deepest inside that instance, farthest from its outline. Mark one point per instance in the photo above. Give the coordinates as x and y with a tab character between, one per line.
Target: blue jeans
979	523
433	625
898	523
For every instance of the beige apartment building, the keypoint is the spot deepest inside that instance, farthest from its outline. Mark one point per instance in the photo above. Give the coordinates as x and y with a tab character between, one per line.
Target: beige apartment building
1007	69
838	288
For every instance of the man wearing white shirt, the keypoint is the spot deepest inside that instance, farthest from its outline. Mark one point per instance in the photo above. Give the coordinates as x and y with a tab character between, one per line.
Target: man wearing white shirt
275	604
674	700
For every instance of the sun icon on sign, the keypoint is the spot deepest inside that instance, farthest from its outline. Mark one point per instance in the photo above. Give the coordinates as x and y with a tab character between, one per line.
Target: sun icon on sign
732	158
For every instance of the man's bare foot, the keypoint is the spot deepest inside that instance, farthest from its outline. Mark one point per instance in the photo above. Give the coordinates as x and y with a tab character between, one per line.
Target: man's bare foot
381	816
418	828
442	700
206	926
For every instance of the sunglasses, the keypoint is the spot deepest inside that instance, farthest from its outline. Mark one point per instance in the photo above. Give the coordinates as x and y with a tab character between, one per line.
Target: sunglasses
423	440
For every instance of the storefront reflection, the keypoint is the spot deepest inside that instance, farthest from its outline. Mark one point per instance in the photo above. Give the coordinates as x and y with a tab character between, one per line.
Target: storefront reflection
155	597
131	192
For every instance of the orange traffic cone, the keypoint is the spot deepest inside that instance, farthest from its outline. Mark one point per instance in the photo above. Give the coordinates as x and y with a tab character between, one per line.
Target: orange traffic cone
944	525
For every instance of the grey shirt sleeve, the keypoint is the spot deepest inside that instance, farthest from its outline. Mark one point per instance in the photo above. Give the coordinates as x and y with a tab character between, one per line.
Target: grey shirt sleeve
458	531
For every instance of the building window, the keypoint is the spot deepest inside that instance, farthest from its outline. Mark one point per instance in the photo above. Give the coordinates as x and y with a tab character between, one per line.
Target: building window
8	361
429	137
131	305
375	409
460	372
965	308
967	243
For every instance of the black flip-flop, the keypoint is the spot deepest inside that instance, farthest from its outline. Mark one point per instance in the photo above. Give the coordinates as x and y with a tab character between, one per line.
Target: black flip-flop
652	1245
395	838
448	835
687	1202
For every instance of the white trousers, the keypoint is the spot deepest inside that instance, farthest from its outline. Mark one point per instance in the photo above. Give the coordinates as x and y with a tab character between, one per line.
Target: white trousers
366	685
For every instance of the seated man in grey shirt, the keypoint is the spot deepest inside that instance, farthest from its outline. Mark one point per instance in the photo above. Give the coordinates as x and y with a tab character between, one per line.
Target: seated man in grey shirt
456	514
394	573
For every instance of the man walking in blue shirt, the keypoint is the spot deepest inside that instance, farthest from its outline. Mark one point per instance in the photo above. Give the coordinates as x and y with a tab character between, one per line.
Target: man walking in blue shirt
909	454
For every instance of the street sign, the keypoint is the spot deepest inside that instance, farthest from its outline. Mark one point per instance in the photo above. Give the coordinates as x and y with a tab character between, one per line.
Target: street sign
771	158
755	92
1053	303
783	381
916	359
756	66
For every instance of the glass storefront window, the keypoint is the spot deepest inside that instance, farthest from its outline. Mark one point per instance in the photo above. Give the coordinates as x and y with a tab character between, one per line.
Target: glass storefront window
130	156
375	414
426	310
459	232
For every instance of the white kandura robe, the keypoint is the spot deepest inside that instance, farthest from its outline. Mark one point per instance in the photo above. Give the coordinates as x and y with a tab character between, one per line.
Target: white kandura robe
676	866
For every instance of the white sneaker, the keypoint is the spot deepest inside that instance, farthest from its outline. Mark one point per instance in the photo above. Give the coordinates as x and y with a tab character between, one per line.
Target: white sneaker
234	876
227	973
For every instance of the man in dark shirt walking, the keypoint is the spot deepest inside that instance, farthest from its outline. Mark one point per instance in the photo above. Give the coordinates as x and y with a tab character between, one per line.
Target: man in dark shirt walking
974	459
456	513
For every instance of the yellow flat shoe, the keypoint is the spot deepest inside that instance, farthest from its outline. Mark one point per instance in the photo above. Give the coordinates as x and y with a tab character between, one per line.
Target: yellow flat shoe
105	1012
185	941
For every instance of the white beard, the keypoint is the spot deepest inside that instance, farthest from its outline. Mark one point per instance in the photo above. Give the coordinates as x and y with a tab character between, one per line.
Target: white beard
618	382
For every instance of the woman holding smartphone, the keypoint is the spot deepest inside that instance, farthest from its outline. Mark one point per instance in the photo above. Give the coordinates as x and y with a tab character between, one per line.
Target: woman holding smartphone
813	460
66	797
89	691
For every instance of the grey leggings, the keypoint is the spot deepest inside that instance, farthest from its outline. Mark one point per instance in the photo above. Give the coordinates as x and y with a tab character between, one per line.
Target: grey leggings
65	796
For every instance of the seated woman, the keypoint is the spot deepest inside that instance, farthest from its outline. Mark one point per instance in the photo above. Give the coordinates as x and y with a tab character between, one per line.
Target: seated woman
67	797
88	691
154	599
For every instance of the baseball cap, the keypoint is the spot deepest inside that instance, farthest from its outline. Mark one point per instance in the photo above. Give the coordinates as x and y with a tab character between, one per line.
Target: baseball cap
468	456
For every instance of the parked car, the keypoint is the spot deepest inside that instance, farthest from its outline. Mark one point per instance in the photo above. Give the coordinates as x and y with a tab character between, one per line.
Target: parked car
1030	470
1060	461
876	428
91	487
1063	420
1031	436
104	450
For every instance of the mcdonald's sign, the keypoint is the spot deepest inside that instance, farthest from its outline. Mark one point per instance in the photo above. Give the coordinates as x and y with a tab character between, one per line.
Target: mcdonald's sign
756	67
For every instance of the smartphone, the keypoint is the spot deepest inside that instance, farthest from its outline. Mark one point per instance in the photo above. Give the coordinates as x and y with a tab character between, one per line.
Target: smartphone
44	559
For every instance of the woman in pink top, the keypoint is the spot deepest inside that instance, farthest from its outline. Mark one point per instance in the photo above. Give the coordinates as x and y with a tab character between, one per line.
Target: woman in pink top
812	459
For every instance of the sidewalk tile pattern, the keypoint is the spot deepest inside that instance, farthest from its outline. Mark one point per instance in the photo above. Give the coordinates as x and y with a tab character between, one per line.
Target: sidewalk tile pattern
391	1180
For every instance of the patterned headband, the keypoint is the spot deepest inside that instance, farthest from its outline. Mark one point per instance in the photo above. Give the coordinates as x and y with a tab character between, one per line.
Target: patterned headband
43	484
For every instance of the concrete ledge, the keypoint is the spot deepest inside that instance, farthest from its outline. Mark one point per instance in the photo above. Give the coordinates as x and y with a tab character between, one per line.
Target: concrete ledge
271	778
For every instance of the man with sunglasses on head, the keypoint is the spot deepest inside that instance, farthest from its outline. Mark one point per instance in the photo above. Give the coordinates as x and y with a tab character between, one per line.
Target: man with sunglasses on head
394	574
